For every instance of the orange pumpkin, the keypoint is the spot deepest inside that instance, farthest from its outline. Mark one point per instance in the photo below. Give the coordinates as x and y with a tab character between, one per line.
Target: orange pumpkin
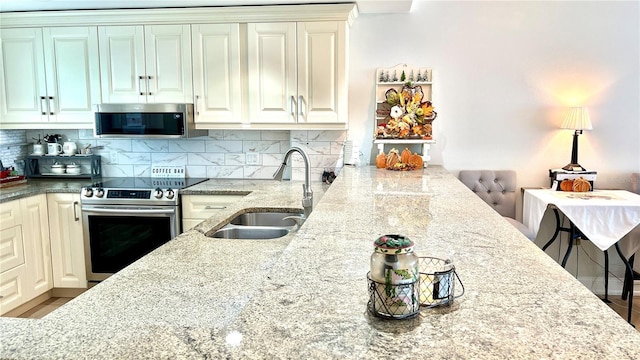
381	160
415	161
566	185
581	185
404	157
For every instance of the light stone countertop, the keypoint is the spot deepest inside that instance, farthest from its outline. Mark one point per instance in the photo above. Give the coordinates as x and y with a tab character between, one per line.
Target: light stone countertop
37	186
305	295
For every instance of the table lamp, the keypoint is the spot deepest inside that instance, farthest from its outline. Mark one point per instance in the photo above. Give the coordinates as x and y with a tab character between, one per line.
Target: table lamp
576	119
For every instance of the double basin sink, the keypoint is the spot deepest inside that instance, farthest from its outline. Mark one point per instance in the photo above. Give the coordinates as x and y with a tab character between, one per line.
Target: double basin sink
258	225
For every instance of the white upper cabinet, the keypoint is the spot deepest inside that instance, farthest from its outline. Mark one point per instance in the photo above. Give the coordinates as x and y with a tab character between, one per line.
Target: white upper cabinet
216	73
146	64
322	78
49	78
296	72
272	75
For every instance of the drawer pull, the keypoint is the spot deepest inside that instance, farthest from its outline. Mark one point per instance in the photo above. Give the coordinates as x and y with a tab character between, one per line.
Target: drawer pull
210	207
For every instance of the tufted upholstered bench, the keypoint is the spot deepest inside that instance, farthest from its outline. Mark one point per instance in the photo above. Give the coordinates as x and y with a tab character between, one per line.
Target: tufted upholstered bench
498	189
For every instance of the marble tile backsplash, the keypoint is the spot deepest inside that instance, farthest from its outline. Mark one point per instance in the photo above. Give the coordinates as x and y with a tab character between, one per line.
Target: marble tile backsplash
13	149
221	154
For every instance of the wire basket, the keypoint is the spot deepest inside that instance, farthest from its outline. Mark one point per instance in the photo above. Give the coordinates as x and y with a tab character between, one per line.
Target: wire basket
393	301
437	282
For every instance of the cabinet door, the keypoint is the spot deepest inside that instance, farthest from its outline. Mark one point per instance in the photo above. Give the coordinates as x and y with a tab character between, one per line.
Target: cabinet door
22	79
322	81
271	56
122	64
168	64
216	73
67	246
73	74
36	234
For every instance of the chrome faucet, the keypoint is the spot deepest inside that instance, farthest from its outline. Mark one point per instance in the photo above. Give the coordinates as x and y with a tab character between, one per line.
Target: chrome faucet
307	194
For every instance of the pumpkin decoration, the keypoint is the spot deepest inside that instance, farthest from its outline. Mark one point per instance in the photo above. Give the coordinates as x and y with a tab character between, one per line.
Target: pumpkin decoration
392	158
404	157
415	161
381	160
581	185
566	185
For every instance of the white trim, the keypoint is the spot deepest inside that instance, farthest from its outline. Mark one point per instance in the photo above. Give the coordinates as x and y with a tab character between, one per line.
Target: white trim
200	15
596	285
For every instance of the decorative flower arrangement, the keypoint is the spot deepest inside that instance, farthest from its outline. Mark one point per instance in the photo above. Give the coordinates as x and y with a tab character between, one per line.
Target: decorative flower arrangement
407	116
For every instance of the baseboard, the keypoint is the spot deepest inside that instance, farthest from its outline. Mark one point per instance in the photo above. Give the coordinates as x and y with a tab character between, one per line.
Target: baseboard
596	285
67	292
29	305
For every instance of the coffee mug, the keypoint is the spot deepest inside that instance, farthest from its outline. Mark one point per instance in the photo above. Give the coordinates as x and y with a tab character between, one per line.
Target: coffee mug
54	149
38	149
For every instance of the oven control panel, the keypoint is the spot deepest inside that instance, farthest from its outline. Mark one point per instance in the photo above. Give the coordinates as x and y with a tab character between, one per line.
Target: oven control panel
104	195
128	194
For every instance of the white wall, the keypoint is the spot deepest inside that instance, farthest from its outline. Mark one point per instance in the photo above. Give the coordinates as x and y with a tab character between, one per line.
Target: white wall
504	74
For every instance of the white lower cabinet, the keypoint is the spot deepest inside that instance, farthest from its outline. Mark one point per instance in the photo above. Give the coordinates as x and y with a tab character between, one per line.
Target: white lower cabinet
197	208
67	244
25	261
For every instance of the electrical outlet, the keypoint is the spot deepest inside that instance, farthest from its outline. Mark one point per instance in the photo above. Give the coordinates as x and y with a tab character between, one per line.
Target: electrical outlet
252	158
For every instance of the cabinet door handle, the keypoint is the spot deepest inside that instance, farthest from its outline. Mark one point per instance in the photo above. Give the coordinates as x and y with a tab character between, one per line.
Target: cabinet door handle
42	98
148	84
294	107
52	105
210	207
195	104
301	101
140	84
75	211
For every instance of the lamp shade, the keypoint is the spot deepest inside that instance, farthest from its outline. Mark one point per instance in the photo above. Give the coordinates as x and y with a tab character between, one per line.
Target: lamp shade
577	119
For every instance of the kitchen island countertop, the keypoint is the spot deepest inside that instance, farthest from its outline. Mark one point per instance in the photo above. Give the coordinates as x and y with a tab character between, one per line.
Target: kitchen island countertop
305	295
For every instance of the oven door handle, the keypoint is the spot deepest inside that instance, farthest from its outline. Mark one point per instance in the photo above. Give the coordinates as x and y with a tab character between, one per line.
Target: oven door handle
129	211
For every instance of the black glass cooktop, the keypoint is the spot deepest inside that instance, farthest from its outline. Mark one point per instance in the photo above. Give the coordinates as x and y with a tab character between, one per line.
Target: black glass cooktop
146	183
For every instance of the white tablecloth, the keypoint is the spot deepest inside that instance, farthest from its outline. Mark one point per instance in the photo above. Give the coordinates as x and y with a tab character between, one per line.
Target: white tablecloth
603	216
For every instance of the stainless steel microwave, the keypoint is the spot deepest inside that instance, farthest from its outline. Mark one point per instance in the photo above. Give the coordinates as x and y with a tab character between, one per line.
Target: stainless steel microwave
145	121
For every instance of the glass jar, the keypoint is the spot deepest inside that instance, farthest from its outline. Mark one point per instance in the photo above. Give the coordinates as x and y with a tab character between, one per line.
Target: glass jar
394	277
393	260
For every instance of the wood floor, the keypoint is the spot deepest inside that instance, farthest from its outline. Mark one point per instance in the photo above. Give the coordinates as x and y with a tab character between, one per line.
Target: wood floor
617	304
620	306
44	308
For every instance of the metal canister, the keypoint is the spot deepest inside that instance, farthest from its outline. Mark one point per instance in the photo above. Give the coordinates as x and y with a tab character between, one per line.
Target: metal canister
394	277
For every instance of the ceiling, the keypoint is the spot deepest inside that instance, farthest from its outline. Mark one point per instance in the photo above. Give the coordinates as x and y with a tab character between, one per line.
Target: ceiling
364	6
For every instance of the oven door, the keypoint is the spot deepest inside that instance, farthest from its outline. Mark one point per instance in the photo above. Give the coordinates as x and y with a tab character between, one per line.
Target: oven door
116	236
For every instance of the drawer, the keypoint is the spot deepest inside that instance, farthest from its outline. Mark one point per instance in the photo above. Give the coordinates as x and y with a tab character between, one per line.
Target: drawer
11	248
12	288
10	214
204	206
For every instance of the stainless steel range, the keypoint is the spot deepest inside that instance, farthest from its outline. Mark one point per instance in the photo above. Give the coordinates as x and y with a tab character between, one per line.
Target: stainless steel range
126	218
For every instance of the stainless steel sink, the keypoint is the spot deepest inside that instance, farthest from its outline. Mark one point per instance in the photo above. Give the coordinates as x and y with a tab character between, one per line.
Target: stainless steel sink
258	225
251	232
265	219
